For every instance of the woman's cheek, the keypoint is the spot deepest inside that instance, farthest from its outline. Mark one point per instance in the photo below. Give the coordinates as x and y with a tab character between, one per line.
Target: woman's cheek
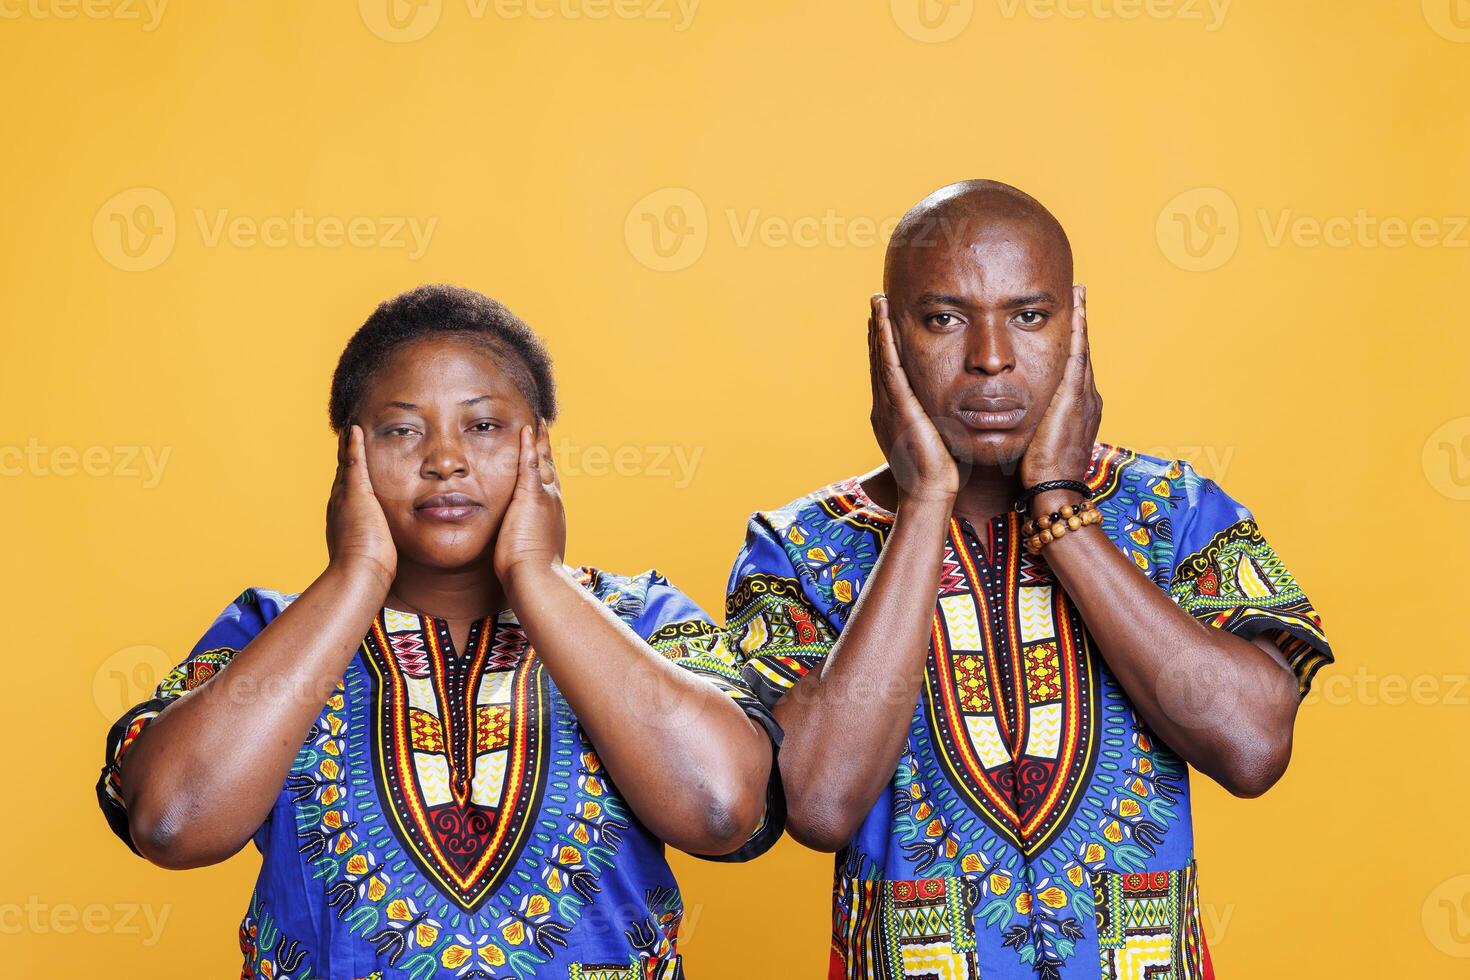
393	477
495	469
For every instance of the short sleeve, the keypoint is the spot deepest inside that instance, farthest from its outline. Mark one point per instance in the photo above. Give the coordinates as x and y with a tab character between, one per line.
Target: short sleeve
677	628
1227	575
776	626
241	621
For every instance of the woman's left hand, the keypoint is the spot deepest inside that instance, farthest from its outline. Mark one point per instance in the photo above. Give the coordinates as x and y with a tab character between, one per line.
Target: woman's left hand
533	534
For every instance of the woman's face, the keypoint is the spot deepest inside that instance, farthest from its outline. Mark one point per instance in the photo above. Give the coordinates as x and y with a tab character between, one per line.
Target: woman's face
441	424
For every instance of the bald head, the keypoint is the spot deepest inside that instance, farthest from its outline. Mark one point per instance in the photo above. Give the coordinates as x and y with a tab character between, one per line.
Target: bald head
968	214
979	284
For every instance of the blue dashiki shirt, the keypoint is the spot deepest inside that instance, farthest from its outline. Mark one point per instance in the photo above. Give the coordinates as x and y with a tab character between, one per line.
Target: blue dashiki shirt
447	817
1034	826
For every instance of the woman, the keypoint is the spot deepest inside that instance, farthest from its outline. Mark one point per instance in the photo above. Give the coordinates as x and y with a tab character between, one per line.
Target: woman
457	756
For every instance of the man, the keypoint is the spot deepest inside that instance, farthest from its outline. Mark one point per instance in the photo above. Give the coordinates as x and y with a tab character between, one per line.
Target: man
988	710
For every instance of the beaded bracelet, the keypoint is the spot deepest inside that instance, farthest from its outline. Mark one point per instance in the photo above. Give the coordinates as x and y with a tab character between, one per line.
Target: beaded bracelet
1042	531
1031	493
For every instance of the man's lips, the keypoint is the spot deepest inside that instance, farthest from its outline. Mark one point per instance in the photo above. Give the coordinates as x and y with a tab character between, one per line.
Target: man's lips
447	507
995	413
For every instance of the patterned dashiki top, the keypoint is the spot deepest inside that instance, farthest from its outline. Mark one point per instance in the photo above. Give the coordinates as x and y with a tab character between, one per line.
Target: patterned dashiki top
447	817
1034	826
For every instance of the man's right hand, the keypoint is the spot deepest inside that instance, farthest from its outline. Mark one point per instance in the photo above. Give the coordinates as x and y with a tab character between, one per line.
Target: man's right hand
357	530
922	465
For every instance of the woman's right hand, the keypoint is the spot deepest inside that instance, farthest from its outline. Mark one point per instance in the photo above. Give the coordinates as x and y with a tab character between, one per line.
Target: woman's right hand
921	463
357	530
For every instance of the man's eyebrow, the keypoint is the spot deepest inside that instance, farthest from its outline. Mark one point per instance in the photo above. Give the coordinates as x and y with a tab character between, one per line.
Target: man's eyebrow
477	400
1032	300
410	406
940	299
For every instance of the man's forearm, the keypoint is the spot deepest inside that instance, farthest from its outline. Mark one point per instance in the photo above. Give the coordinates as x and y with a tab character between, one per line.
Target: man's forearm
846	724
1224	704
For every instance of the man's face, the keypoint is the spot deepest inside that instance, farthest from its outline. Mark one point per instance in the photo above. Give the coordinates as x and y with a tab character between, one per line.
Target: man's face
984	323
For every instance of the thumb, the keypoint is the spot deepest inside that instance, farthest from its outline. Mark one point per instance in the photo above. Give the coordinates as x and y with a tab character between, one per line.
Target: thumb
1078	340
357	471
528	467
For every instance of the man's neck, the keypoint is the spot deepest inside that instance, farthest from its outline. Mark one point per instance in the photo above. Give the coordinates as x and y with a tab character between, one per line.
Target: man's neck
988	491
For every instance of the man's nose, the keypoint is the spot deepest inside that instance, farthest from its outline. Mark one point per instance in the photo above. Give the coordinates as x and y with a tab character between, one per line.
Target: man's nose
990	350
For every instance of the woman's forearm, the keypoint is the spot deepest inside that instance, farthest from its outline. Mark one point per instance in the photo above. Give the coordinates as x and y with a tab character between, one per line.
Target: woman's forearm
653	723
202	776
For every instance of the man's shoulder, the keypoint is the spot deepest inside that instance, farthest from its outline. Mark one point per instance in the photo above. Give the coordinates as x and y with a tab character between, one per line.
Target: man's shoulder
1110	461
839	501
1123	475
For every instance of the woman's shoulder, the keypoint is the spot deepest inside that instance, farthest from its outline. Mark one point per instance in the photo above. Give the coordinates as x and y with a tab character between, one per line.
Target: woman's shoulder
634	597
254	607
265	598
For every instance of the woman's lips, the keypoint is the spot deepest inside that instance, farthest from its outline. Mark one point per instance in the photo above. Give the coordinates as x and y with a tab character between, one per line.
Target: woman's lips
448	507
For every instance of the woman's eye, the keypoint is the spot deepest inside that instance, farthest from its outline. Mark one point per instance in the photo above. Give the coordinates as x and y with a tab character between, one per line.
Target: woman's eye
1031	318
399	430
484	427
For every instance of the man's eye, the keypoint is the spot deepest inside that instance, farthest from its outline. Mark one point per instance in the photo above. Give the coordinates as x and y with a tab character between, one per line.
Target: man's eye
1031	318
944	319
484	427
399	430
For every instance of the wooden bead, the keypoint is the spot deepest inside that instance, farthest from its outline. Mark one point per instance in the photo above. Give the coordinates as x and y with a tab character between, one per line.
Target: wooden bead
1067	510
1058	529
1043	522
1075	523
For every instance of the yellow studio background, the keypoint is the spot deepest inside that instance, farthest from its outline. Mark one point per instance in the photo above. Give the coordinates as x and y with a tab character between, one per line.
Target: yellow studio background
202	200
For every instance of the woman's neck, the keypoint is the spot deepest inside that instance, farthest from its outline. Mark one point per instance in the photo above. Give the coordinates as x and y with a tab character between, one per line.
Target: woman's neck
457	595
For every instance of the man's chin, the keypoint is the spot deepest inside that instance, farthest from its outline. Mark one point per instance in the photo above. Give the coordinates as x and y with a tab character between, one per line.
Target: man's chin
992	450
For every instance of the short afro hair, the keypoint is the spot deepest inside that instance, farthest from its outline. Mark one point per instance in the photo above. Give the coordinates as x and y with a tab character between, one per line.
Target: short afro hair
439	311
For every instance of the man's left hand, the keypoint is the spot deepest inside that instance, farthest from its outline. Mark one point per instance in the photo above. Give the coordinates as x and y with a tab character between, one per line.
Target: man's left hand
1061	447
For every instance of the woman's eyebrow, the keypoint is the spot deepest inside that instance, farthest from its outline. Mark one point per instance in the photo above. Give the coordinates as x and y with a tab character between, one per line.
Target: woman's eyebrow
411	407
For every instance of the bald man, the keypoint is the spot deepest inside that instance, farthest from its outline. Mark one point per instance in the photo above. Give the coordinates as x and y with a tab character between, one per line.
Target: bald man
996	656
